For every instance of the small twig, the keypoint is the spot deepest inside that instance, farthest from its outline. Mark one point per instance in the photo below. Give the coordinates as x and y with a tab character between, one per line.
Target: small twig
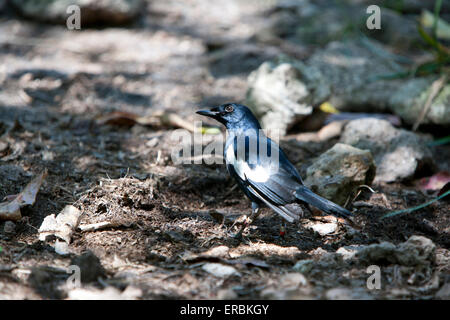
230	191
436	86
66	190
357	194
367	187
95	226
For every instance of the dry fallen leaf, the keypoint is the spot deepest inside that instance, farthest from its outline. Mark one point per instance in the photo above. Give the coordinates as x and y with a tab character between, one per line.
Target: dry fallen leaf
122	118
157	119
10	209
29	193
435	182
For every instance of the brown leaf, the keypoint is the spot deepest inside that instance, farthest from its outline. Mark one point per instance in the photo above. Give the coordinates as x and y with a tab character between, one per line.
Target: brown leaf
10	209
29	193
158	119
435	182
119	118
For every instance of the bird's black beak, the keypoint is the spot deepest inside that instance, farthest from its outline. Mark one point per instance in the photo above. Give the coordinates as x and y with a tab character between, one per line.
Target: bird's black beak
209	113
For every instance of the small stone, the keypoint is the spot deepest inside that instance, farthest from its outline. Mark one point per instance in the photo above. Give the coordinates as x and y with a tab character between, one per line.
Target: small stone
292	281
227	294
217	252
61	247
324	228
377	253
348	252
338	172
9	228
131	293
398	153
219	270
416	251
304	266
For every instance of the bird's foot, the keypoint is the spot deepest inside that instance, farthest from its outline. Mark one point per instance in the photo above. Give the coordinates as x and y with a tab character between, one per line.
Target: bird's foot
282	230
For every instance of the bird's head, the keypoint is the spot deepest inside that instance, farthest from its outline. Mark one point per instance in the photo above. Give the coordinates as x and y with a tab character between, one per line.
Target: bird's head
233	116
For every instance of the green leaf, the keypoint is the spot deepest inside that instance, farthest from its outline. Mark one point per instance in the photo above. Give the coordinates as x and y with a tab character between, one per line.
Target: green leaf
439	142
391	76
210	130
437	9
409	210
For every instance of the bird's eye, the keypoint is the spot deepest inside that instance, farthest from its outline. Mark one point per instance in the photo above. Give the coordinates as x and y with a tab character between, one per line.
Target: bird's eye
229	108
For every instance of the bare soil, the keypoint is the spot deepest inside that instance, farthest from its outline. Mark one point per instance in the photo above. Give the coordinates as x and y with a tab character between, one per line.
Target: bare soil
177	57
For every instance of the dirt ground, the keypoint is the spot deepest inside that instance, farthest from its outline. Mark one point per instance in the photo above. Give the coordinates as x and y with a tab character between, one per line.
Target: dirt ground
165	218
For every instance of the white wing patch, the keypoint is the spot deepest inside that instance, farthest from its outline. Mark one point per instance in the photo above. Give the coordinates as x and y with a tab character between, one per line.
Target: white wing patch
257	174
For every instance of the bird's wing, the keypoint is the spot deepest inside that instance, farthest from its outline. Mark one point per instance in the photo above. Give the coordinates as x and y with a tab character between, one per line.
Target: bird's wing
273	180
290	212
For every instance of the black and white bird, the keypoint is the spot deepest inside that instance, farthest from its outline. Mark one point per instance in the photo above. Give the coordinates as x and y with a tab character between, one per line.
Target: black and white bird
261	168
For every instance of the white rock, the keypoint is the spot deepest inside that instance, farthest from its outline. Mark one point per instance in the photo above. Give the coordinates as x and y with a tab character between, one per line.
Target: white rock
347	252
397	153
293	280
62	226
61	247
324	228
219	270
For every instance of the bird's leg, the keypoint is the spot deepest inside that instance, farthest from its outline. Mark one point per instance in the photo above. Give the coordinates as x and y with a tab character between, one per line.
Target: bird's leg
249	220
283	229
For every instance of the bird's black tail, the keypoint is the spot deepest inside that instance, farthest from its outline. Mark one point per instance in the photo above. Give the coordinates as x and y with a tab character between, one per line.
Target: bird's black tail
306	195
